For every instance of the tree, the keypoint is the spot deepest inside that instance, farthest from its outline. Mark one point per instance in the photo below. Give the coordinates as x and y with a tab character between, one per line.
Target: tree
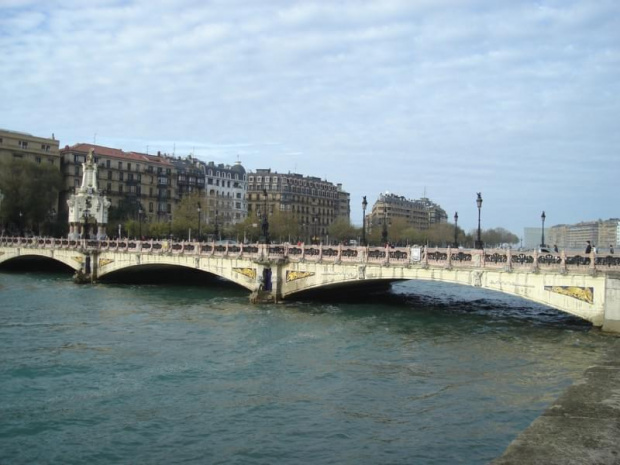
185	216
283	226
342	230
30	194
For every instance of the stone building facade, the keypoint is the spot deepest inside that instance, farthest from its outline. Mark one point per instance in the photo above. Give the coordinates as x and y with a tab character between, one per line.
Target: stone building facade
21	145
314	203
601	233
421	213
155	183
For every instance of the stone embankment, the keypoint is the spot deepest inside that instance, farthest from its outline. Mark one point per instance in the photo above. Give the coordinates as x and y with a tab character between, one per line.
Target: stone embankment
582	427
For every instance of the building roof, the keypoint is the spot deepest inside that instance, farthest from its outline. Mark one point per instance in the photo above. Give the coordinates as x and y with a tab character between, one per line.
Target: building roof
117	153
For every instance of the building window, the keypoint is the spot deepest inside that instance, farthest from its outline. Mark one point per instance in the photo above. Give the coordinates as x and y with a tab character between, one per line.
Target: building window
128	166
150	207
120	188
38	160
107	163
120	165
109	174
23	144
121	176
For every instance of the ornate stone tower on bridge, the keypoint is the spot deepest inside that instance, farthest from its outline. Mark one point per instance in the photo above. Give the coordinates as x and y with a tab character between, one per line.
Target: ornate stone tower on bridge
88	207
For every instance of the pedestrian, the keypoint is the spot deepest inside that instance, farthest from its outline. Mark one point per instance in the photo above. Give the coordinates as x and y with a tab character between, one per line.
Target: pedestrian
555	248
611	248
588	248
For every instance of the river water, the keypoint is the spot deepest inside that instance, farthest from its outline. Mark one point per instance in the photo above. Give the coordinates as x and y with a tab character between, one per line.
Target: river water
168	374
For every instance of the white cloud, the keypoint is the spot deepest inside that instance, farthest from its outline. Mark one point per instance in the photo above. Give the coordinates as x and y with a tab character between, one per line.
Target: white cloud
459	96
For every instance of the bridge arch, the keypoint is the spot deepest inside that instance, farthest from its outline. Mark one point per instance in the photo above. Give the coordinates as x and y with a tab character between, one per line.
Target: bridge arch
580	295
240	272
71	261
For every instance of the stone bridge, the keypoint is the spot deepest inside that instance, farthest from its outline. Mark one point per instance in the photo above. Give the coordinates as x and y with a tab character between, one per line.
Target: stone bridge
584	286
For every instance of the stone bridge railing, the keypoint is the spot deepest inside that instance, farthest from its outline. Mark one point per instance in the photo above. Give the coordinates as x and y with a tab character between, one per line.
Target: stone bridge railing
400	256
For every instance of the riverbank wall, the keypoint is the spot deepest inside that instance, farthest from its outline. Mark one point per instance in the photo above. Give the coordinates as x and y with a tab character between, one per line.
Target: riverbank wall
581	427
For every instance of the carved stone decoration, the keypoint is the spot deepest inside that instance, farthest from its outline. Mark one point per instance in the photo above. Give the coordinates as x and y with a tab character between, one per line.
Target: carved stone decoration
477	275
361	272
585	294
88	206
104	261
249	272
295	275
79	259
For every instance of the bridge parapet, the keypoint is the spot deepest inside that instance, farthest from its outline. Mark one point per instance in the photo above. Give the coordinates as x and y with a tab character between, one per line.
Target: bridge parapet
498	259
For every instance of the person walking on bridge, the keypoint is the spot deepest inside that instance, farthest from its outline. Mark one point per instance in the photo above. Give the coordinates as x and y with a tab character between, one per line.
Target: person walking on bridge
588	248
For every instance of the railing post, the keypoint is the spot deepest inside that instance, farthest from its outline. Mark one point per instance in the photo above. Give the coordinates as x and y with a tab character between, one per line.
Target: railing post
425	260
593	261
449	258
509	260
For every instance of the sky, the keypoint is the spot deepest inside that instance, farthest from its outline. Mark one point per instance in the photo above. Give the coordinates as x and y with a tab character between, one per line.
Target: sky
516	99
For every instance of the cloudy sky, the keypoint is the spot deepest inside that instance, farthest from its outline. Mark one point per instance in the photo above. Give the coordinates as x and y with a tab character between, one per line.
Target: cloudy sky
517	99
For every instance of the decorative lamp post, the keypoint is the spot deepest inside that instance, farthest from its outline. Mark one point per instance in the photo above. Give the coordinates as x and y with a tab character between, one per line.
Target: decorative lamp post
217	227
456	229
384	231
170	226
140	223
21	224
479	244
199	209
265	222
364	205
542	240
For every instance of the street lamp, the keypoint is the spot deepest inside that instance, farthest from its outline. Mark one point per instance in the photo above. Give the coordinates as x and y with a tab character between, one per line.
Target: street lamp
364	205
479	244
265	223
140	223
170	226
456	229
542	240
198	209
384	231
21	224
217	226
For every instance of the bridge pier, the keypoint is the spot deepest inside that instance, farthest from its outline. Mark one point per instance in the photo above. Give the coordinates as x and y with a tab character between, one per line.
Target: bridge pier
87	273
611	322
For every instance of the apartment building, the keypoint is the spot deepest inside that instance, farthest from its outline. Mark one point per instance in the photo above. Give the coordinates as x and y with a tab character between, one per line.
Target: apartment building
154	183
20	145
602	233
313	202
421	213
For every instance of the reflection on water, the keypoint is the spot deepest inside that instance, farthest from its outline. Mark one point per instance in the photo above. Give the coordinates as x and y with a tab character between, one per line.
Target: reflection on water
427	373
